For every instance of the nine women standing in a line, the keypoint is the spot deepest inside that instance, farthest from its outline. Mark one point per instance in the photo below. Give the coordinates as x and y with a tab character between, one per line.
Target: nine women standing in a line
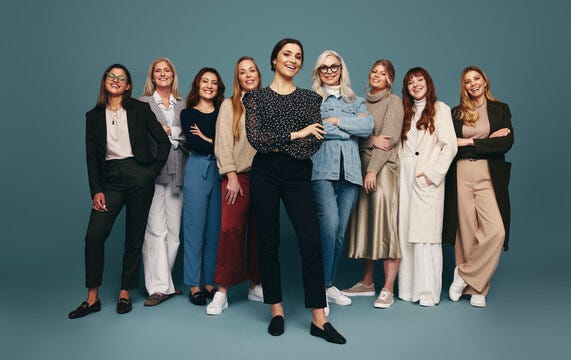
202	191
336	176
237	257
283	123
373	234
477	211
163	226
121	170
428	148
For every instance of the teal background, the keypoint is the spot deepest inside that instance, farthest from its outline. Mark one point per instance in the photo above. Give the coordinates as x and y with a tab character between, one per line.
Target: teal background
53	56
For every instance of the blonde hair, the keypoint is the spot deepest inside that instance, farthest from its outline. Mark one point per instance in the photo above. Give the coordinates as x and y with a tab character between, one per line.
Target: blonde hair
346	92
150	85
237	106
466	111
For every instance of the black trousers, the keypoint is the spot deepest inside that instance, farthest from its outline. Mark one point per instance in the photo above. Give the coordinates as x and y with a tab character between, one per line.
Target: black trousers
128	183
278	176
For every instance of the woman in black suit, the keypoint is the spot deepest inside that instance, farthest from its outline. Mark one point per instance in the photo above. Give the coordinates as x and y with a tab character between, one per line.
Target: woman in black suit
121	171
477	210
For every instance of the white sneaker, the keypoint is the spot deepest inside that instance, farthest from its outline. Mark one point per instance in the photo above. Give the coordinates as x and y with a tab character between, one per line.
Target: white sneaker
326	309
334	295
385	300
457	287
426	301
218	304
256	294
478	300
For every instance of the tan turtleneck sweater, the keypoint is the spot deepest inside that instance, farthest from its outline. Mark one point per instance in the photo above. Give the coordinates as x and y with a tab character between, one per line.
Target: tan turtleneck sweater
387	111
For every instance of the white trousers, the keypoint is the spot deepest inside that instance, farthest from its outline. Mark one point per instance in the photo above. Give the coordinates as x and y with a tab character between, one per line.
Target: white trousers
162	240
420	272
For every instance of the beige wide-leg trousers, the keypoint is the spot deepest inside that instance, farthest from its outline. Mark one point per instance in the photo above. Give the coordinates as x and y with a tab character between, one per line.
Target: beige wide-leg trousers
481	233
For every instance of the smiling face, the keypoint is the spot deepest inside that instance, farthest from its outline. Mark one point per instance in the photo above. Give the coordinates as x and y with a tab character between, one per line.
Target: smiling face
288	60
416	87
378	78
208	86
475	85
116	82
248	75
163	75
330	78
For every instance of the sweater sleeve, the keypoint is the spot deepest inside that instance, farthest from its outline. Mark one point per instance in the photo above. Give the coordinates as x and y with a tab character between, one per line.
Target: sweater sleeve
224	146
391	126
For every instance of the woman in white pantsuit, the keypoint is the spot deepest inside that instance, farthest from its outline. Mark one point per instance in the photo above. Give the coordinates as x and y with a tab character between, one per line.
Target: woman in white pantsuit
428	147
163	226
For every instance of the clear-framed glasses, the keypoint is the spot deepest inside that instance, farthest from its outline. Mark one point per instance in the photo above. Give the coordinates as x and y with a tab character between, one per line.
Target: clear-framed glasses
323	69
112	77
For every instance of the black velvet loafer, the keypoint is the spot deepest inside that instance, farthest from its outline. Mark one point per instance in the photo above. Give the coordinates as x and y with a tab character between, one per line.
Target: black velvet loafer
124	306
328	333
84	309
209	294
276	327
197	298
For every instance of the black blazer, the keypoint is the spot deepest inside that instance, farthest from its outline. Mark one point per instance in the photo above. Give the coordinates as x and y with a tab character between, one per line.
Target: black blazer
492	149
142	123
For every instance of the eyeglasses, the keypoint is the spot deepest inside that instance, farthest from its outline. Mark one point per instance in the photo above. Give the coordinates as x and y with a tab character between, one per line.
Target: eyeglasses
112	77
323	69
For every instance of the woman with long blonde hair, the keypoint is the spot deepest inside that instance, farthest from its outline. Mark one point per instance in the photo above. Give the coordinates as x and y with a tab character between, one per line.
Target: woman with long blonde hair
477	211
237	257
163	226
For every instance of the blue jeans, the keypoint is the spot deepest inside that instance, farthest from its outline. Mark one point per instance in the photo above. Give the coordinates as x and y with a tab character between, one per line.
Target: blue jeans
335	200
200	218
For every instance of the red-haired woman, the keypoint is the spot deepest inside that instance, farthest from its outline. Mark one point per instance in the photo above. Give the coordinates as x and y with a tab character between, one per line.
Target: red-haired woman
237	257
428	148
477	211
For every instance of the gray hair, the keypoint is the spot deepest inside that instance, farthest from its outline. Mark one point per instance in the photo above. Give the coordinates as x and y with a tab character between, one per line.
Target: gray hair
346	92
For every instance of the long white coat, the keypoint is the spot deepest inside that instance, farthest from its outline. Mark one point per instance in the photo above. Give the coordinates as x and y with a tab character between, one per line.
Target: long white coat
422	206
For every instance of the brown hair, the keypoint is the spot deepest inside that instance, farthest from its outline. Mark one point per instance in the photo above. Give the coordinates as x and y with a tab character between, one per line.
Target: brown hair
193	95
426	120
103	96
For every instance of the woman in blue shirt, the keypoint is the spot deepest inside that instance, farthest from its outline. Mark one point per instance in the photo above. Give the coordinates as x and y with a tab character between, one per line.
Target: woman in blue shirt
336	176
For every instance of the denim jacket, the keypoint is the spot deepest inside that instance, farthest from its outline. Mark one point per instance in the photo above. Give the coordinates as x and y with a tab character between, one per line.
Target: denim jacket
342	140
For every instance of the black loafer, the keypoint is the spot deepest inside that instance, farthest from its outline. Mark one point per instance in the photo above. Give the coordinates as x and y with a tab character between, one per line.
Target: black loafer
328	333
276	327
124	306
84	309
197	298
209	294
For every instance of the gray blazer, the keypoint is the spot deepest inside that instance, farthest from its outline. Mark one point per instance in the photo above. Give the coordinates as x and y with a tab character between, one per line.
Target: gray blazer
173	172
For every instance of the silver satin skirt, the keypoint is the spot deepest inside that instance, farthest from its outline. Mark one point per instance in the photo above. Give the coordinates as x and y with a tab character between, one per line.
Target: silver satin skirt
373	228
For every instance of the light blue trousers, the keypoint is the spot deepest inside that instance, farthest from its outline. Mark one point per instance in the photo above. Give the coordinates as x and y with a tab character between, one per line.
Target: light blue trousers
200	218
